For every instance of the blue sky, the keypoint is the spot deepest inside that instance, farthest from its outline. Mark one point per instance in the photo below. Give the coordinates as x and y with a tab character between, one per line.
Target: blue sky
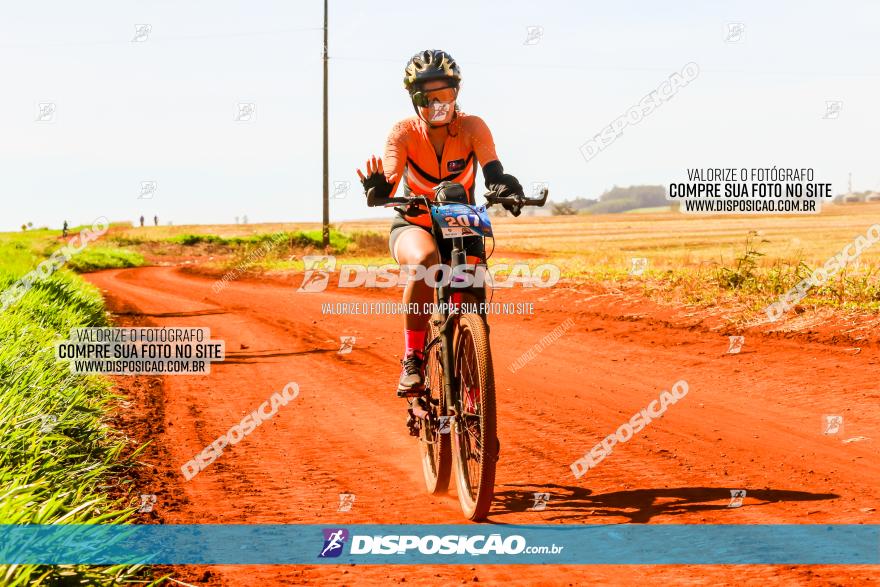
163	109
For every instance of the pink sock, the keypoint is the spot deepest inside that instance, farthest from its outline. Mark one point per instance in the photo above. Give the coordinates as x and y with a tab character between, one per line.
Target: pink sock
415	341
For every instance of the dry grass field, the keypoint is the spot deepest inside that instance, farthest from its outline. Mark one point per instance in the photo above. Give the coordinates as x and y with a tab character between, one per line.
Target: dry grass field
690	259
669	240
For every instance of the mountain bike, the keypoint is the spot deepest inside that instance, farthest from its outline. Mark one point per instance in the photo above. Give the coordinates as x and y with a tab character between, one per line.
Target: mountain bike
454	415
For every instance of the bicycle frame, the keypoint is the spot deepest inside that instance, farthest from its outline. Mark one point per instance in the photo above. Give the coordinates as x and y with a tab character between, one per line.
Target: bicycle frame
447	326
444	298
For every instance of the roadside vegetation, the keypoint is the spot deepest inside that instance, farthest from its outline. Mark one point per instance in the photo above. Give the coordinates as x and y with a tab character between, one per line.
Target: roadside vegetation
95	258
60	461
298	240
259	251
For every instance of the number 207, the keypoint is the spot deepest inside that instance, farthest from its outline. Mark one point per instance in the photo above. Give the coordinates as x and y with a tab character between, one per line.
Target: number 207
463	220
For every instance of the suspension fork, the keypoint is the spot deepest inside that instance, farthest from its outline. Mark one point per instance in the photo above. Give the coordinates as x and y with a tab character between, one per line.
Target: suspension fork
444	296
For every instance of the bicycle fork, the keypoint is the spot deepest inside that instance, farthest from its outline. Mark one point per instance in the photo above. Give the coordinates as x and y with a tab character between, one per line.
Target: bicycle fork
445	297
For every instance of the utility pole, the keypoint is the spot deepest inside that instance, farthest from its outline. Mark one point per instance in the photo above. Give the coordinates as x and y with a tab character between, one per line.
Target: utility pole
326	230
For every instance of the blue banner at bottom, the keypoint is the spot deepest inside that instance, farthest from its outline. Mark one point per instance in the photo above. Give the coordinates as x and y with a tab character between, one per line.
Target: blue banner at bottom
369	544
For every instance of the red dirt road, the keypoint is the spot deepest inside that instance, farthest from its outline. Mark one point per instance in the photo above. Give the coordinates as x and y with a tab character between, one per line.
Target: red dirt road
750	421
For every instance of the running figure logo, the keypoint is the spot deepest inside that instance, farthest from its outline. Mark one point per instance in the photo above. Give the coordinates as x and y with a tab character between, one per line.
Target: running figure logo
736	31
538	187
736	498
147	503
736	344
346	501
142	33
439	110
346	344
334	540
245	112
148	190
639	264
832	109
444	424
533	34
317	272
340	188
46	112
541	500
832	424
49	422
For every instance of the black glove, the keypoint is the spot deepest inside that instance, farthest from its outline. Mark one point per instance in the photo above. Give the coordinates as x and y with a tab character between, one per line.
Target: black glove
381	186
508	186
503	184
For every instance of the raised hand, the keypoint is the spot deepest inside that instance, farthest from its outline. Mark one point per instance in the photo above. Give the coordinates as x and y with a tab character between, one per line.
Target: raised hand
375	178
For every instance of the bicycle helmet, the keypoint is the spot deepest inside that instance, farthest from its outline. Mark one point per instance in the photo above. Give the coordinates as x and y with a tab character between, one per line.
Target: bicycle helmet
429	65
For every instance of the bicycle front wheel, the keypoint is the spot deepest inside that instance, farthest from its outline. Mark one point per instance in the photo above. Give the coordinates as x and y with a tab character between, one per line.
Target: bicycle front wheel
474	435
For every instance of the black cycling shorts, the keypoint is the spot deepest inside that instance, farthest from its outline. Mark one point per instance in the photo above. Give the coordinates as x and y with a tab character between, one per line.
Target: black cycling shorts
473	245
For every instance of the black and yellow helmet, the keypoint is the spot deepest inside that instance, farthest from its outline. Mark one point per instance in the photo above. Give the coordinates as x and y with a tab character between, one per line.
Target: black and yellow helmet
430	65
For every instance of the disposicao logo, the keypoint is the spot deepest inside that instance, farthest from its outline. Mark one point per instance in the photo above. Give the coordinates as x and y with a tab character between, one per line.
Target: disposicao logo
334	540
317	272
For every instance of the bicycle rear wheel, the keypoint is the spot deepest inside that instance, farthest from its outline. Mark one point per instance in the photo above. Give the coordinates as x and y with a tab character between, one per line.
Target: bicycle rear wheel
434	447
475	444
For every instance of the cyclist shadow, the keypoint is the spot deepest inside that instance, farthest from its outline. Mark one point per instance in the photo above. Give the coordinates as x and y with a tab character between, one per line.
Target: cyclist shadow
638	506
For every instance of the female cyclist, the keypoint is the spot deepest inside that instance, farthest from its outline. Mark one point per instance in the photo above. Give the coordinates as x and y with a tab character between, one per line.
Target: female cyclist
440	143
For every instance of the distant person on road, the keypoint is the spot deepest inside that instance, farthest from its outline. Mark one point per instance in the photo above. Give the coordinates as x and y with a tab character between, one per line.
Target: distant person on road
439	144
142	220
156	220
64	229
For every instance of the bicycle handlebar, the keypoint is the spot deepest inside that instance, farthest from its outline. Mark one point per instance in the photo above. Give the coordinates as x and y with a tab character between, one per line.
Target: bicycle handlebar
491	198
374	200
521	200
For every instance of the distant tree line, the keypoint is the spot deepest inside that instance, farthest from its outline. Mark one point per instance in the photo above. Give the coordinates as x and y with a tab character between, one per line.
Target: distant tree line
615	200
866	196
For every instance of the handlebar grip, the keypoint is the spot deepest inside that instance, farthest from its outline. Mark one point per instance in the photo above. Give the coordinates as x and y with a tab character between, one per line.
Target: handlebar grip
373	199
540	201
376	200
516	199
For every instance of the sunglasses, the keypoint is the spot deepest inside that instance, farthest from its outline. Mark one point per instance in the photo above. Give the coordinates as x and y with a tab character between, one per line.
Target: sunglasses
422	99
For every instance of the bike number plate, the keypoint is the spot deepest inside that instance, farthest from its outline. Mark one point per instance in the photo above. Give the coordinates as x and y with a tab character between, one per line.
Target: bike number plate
457	220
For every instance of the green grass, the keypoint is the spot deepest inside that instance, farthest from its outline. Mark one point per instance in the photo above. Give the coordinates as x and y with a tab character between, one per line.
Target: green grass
94	258
59	459
299	239
22	251
279	251
18	258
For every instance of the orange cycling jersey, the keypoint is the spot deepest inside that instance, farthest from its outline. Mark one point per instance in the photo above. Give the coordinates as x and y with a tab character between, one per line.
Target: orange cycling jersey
410	157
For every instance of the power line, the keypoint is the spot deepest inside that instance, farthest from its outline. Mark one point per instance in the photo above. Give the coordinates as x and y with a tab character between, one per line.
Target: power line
157	39
626	68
